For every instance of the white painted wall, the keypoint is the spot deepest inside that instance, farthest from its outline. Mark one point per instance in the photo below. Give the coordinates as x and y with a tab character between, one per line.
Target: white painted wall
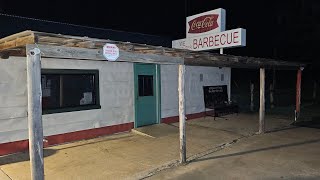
13	100
116	98
193	87
116	95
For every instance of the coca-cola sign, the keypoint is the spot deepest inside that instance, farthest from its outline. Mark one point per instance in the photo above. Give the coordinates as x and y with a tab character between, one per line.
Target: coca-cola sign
206	23
203	24
206	31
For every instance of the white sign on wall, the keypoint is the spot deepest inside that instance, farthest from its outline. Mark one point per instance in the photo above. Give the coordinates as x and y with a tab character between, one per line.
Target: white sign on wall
206	23
224	39
110	52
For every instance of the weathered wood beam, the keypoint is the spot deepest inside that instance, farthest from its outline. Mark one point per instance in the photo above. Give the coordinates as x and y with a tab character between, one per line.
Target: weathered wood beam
15	36
96	54
182	117
262	102
21	51
192	58
35	114
251	96
298	94
18	42
236	62
271	96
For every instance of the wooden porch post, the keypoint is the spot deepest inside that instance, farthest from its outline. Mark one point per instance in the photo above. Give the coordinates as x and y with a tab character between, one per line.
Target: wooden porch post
271	95
251	96
298	94
35	113
182	119
262	102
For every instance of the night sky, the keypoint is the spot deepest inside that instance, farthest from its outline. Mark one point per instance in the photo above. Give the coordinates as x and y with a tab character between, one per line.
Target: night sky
286	29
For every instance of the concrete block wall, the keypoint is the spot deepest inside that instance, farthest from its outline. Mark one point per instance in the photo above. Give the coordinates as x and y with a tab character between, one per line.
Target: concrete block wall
193	87
116	98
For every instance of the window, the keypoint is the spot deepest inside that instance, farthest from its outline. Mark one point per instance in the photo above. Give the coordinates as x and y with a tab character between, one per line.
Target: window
145	83
65	90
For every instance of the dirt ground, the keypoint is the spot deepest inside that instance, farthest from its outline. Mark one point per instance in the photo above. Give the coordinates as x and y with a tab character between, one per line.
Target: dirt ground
222	148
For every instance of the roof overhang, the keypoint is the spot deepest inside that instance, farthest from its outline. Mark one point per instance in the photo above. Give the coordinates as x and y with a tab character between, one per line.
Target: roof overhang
74	47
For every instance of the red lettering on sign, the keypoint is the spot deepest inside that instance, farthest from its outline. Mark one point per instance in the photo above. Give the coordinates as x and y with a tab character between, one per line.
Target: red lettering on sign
205	41
216	39
195	44
223	41
219	40
200	42
229	37
235	37
203	23
211	41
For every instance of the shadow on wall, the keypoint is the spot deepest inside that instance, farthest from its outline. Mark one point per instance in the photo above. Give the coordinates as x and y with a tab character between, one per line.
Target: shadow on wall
21	157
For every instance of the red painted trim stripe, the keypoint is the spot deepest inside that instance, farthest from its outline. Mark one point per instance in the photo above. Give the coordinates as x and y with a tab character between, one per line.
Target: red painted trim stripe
87	134
19	146
14	147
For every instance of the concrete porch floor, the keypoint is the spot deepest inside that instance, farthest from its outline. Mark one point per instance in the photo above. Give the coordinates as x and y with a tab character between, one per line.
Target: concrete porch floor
287	154
132	156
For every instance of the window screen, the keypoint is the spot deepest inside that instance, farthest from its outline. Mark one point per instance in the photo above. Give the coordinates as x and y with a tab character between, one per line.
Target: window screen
145	83
69	90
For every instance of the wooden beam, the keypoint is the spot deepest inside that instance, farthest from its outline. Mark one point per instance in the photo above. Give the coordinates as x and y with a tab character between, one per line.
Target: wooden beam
18	42
298	94
191	58
251	96
15	36
182	117
96	54
262	102
271	96
35	114
21	51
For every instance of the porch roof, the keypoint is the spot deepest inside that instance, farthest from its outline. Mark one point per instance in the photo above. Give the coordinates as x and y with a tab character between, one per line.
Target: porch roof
66	46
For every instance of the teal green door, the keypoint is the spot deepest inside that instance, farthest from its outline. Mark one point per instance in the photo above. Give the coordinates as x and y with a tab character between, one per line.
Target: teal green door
145	94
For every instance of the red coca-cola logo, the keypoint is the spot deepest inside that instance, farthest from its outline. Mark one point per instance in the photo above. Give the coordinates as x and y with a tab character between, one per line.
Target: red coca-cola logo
203	23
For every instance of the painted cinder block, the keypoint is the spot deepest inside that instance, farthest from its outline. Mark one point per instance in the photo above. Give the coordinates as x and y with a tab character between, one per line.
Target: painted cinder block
193	87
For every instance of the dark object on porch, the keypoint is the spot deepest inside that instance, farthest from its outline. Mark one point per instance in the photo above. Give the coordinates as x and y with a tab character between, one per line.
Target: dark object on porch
216	99
314	123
